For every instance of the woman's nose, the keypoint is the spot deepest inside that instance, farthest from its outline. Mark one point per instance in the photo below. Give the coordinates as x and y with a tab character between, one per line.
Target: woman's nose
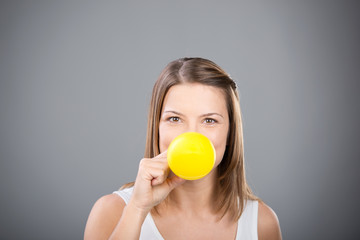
193	127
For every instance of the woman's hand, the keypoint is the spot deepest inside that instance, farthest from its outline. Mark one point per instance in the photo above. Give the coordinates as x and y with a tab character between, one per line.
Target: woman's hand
152	183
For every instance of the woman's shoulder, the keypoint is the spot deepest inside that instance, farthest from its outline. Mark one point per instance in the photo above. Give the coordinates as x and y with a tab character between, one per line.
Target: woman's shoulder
110	202
268	223
104	215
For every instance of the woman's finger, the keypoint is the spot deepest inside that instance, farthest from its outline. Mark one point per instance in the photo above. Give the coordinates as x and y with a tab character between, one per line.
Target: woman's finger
161	157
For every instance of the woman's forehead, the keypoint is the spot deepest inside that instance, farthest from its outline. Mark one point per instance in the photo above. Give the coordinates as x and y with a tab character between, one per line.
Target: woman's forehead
195	97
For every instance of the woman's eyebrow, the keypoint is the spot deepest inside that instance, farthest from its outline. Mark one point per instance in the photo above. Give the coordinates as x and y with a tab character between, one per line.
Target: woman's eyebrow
203	115
210	114
174	112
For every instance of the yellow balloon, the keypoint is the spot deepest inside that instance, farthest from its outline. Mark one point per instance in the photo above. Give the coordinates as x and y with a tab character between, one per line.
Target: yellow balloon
191	156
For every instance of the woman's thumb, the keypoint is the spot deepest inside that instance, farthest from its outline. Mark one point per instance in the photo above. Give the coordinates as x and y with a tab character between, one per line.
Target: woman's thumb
175	181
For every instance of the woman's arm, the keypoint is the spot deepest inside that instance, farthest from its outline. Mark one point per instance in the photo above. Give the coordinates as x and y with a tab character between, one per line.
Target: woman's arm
268	223
112	218
130	223
104	217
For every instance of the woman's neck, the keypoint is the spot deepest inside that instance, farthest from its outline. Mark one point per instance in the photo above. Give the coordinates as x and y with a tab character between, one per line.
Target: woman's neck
195	196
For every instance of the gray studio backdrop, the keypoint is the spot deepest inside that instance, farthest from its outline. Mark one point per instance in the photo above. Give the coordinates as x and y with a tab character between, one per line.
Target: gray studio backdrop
76	80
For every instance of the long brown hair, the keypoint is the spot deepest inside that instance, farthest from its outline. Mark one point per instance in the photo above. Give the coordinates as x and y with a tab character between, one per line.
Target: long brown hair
233	188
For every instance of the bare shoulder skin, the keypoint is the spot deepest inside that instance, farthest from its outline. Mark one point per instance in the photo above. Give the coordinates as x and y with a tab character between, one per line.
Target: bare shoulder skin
268	223
104	216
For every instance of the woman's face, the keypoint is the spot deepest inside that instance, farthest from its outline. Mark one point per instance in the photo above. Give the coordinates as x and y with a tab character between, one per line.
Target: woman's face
195	107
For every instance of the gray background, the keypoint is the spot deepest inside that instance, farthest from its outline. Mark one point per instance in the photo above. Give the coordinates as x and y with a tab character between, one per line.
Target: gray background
76	80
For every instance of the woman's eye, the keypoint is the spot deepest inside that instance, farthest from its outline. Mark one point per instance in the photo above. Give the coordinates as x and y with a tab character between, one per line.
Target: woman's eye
174	119
210	121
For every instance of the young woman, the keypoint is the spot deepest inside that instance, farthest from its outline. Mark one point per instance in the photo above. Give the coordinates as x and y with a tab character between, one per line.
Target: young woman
190	95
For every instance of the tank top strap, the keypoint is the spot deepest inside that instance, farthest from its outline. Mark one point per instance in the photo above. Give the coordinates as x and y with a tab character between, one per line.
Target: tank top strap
149	230
125	194
247	224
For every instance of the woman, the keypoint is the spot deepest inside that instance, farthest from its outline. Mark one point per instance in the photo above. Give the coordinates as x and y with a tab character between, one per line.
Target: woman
190	95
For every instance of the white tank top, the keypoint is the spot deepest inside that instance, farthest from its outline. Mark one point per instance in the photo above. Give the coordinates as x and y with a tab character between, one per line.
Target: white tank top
246	230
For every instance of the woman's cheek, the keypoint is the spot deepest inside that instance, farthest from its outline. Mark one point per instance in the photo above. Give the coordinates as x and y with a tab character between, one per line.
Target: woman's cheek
219	143
164	142
220	150
166	135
